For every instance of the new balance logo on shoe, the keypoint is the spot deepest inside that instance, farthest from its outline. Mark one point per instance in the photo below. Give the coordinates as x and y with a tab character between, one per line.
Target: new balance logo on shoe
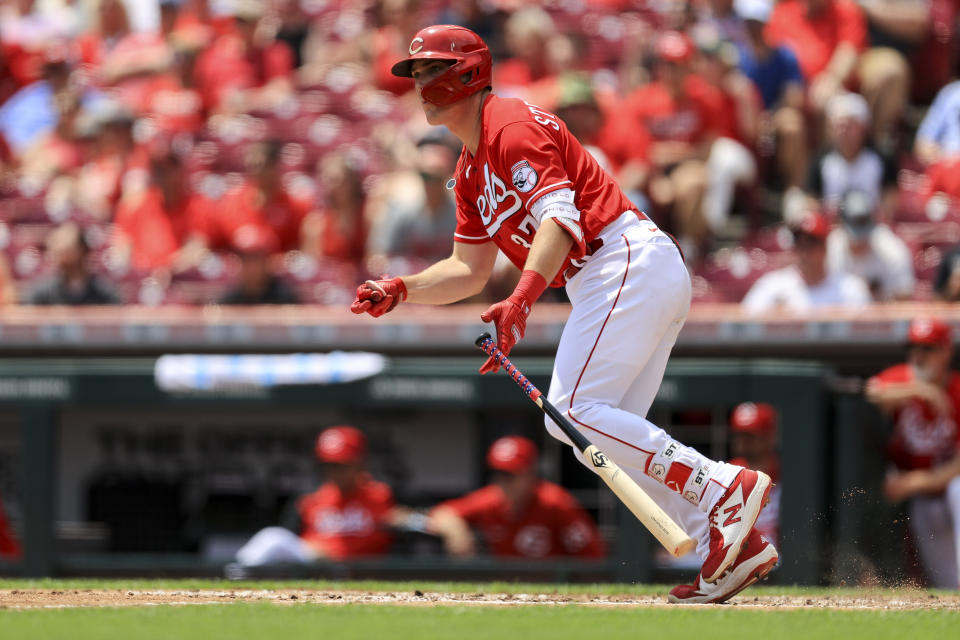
732	517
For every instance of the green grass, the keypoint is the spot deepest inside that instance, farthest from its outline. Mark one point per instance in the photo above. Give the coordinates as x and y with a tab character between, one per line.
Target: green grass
256	621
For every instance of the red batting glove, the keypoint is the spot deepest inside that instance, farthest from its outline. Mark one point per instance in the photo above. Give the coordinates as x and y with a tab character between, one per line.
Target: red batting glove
378	297
510	316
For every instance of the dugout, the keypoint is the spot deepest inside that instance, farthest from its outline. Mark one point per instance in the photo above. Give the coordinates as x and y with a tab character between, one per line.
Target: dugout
117	476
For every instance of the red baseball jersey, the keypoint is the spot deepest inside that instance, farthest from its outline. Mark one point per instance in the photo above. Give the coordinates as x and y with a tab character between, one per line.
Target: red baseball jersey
525	155
347	525
554	524
921	439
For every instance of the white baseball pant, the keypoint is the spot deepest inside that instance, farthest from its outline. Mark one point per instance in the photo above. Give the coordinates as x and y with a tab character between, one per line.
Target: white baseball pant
629	304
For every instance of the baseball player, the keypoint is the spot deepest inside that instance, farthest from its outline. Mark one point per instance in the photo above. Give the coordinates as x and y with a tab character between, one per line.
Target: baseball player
348	516
525	186
519	514
923	396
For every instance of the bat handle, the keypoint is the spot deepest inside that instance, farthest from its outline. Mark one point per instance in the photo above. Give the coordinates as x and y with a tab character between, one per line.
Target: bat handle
486	344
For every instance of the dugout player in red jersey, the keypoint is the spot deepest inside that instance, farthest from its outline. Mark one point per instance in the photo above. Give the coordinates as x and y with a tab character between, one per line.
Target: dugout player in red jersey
923	397
518	514
348	516
525	186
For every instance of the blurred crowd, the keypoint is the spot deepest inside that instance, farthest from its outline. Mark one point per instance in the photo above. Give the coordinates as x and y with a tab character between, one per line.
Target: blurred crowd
260	151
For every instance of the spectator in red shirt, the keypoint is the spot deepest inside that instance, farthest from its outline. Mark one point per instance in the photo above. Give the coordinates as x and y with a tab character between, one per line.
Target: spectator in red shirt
247	68
519	515
661	139
348	516
262	200
831	42
165	226
922	396
827	37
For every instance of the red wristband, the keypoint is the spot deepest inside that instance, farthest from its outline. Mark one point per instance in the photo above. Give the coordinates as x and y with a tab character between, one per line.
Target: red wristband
402	288
530	288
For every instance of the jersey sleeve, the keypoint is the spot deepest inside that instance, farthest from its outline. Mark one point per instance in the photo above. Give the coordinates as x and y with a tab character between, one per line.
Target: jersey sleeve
529	152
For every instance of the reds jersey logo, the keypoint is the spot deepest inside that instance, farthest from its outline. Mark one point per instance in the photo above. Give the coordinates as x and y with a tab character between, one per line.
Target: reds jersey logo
524	176
927	437
496	200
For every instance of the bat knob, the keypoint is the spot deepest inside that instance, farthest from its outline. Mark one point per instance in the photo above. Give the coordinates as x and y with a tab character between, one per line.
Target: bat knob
483	338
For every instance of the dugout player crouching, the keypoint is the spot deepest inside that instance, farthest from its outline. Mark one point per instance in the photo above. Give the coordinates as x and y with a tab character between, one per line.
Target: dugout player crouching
518	514
525	185
348	516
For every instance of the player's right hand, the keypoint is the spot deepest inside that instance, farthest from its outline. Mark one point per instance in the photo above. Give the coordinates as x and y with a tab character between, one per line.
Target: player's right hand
378	297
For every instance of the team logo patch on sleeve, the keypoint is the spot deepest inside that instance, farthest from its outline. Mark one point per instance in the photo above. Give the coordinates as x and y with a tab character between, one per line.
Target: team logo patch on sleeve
524	176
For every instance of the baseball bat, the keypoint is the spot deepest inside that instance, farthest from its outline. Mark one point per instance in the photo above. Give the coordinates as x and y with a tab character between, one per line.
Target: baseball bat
671	536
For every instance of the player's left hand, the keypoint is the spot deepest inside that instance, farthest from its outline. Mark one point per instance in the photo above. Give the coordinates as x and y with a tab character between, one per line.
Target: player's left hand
510	316
510	319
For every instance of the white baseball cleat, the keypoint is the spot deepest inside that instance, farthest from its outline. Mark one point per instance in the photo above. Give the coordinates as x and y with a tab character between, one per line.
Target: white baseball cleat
755	561
731	520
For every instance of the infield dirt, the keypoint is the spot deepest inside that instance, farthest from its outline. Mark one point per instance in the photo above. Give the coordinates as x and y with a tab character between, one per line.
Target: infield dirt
71	598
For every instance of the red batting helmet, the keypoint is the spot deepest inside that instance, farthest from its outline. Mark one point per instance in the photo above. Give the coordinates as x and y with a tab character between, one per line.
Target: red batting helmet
513	454
929	330
754	417
469	73
341	444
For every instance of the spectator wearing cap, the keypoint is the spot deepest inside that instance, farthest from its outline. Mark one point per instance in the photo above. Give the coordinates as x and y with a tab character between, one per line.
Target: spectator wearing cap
921	397
347	517
753	441
782	128
848	163
660	139
518	515
865	247
806	284
257	283
72	282
583	111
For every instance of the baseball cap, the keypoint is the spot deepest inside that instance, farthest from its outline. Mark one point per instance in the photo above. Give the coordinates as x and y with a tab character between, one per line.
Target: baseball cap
929	330
856	213
756	10
848	105
513	454
673	46
754	417
813	223
341	444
